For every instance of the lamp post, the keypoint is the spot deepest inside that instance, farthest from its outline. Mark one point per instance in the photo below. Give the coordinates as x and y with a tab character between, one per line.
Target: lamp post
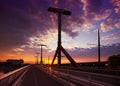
41	61
98	48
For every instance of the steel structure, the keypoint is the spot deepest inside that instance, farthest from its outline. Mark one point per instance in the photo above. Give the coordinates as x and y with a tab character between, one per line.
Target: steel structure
37	55
98	48
41	61
60	48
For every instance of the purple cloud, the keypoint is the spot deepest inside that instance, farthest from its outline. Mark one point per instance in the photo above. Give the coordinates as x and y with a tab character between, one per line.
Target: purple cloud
22	19
106	51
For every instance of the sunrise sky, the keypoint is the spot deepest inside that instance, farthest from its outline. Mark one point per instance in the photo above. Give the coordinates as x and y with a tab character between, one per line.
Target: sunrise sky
24	24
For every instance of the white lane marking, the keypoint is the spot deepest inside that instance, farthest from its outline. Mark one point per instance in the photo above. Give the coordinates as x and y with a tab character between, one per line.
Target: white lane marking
36	84
19	80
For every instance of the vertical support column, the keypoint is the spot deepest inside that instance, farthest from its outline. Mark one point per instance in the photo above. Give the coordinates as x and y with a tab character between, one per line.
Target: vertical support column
59	39
41	58
41	61
60	48
37	58
98	49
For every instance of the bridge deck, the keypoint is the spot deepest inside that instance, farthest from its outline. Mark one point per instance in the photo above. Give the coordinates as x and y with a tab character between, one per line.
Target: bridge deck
36	77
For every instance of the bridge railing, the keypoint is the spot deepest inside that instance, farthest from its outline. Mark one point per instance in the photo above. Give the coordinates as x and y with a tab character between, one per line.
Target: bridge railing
81	78
9	78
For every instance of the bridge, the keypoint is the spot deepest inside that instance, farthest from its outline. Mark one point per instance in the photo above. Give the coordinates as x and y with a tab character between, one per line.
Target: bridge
43	75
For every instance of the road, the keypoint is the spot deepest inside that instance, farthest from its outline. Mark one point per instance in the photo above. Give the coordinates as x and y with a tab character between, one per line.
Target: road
36	77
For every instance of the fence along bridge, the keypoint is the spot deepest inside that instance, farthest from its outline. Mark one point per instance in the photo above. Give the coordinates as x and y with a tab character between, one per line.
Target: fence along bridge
42	75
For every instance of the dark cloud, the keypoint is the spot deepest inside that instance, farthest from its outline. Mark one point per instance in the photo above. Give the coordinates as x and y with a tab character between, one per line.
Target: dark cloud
106	51
94	6
20	20
111	49
13	26
68	22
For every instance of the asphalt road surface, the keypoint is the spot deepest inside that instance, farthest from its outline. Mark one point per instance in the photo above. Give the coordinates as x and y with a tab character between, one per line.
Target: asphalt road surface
36	77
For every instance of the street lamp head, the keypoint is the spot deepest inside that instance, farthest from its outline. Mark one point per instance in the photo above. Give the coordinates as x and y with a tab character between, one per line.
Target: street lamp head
57	10
43	45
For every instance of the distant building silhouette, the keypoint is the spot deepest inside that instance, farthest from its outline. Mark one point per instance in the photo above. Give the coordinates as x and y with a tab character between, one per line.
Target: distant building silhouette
114	61
15	62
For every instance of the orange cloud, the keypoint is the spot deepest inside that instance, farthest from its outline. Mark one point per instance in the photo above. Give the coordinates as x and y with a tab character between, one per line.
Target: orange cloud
106	26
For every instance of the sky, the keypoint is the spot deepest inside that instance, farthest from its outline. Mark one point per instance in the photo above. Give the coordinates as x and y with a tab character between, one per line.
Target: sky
25	24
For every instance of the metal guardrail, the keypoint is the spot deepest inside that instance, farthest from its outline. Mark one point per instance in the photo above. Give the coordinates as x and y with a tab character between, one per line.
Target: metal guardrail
9	78
101	70
81	78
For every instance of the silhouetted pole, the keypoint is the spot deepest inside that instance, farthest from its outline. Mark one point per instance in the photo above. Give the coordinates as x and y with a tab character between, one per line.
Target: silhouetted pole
60	48
41	61
37	58
48	60
98	48
59	38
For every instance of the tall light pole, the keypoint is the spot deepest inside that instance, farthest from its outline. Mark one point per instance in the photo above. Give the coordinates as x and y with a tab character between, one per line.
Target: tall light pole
37	54
35	59
98	48
48	59
60	48
41	61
